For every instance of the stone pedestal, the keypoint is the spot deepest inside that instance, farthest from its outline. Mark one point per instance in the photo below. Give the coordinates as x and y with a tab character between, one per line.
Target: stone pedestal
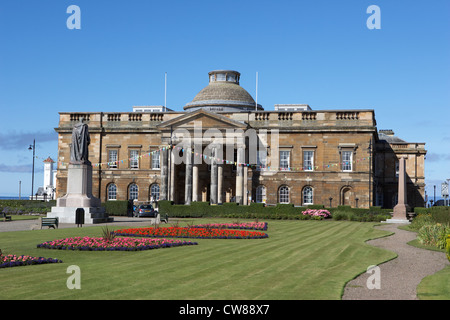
79	195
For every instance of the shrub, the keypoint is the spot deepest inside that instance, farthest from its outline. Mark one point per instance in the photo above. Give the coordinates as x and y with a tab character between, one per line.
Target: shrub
434	235
420	220
317	213
448	247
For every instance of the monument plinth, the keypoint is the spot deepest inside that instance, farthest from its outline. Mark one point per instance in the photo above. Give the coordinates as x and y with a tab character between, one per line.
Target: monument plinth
79	184
401	209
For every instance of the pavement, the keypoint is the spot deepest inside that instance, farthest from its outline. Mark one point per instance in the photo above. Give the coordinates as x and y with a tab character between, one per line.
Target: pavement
21	225
398	278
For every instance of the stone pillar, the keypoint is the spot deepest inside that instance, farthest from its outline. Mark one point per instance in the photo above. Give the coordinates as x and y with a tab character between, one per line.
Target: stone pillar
402	208
245	187
220	183
240	174
164	174
172	175
195	182
213	190
188	176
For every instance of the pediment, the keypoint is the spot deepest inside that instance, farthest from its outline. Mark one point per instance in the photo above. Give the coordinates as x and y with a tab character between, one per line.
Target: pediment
207	120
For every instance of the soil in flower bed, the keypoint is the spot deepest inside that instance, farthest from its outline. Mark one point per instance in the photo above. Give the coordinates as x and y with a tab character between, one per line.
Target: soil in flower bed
202	233
12	260
116	244
246	226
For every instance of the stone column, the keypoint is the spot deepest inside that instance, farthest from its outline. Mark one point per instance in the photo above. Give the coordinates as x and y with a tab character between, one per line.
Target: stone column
172	175
213	190
402	208
240	174
195	182
245	187
164	174
188	176
220	183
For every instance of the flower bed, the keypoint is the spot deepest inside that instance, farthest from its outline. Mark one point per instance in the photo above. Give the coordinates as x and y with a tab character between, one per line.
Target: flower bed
11	260
202	233
317	213
116	244
247	226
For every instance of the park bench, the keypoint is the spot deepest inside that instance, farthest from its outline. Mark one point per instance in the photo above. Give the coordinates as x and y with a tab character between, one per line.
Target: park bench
5	217
164	218
49	222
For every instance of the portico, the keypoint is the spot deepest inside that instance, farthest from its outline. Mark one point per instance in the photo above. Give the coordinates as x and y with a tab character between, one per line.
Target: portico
209	150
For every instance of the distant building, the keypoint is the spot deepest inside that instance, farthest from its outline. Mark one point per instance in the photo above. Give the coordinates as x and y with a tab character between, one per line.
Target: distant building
335	157
48	190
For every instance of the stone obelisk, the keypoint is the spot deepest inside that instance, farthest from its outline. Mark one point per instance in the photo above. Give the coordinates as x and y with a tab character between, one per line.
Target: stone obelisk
401	209
79	183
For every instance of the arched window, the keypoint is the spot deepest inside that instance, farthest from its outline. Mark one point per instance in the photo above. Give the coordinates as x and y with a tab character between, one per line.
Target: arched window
261	194
112	192
307	195
283	194
133	192
154	192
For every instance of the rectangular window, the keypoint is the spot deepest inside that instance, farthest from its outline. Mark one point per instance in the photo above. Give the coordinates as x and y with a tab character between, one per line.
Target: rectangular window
112	159
155	160
308	160
284	160
347	161
134	159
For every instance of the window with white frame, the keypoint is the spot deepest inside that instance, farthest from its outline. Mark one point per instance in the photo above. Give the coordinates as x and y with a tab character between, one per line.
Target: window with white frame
283	194
112	192
307	195
112	158
261	194
284	160
155	160
347	160
133	192
134	159
308	160
154	192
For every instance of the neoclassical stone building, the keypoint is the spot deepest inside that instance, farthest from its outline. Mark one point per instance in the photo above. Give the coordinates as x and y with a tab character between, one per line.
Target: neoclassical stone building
224	147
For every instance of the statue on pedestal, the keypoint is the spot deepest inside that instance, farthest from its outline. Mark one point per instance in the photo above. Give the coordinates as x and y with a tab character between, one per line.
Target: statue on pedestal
79	153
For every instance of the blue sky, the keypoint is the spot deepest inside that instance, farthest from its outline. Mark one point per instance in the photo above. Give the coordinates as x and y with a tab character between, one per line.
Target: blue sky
315	52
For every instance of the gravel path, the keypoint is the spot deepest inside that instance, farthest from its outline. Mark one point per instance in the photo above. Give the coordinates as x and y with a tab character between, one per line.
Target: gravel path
399	277
19	225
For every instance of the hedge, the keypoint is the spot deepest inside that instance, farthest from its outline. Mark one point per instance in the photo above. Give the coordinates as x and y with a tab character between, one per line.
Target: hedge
261	211
26	206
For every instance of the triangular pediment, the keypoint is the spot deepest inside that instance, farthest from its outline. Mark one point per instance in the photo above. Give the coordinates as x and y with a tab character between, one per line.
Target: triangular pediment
205	119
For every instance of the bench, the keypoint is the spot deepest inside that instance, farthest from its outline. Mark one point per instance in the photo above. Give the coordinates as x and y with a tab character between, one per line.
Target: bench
49	222
164	219
5	217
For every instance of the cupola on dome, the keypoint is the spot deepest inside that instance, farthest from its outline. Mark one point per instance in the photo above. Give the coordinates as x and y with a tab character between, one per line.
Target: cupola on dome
223	93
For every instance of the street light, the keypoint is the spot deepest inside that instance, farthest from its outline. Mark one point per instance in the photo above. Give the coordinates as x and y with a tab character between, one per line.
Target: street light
32	147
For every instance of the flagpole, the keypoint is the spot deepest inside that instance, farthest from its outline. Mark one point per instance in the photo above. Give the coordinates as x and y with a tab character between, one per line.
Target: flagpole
256	103
165	92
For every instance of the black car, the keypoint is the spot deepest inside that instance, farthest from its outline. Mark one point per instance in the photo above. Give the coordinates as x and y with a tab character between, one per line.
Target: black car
145	210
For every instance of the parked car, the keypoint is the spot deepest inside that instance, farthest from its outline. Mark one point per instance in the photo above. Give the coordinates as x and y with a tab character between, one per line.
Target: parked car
145	210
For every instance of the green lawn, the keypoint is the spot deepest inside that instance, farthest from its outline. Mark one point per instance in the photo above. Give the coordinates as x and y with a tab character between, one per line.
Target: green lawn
299	260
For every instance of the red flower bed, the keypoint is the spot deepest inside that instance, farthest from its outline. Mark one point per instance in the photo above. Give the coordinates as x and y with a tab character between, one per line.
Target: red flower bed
202	233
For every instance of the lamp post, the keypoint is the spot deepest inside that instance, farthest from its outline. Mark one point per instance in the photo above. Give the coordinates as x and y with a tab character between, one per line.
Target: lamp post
32	147
331	199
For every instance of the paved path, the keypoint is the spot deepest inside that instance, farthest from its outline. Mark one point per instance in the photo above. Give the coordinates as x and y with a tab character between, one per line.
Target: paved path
399	277
19	225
